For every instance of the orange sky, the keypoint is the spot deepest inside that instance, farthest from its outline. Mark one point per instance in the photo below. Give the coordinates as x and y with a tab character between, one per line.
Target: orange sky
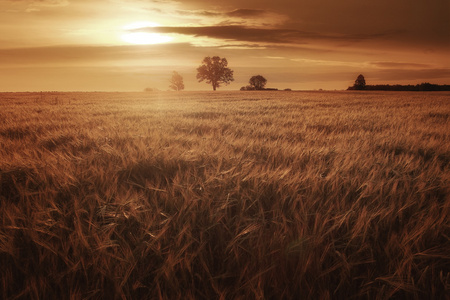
129	45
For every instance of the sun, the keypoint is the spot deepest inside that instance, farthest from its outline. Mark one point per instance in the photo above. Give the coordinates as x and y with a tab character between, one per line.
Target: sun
134	36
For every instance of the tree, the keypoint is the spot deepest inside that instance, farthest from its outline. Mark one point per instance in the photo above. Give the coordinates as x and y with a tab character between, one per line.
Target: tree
176	82
258	82
360	83
215	71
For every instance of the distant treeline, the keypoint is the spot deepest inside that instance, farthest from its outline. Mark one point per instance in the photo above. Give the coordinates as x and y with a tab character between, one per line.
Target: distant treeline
397	87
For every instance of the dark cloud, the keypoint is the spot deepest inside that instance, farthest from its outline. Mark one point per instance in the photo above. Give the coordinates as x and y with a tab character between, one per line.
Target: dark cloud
247	13
422	23
204	13
261	35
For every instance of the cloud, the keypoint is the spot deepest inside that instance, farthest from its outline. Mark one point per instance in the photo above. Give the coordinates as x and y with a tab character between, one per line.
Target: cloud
37	5
261	35
237	13
398	65
249	17
43	2
330	63
247	13
392	75
409	72
38	1
94	55
203	13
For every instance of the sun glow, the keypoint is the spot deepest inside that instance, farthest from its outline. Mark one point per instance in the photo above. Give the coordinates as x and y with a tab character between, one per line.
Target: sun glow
134	36
145	38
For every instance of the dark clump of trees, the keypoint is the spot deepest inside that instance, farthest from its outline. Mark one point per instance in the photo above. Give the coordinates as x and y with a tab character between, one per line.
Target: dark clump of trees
360	84
215	71
413	88
257	83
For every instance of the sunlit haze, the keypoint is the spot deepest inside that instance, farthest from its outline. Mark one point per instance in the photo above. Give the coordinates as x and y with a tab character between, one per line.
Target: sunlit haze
130	45
133	35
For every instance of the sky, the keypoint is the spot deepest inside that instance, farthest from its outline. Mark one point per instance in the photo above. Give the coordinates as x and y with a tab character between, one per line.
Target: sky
130	45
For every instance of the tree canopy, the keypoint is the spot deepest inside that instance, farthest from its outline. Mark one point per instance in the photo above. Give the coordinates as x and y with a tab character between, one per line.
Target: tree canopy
215	71
360	82
176	82
258	82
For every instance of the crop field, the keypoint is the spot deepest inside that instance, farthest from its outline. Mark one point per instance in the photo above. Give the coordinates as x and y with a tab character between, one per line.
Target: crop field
225	195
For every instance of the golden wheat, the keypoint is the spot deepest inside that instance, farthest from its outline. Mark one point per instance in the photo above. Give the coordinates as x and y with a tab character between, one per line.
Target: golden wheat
230	195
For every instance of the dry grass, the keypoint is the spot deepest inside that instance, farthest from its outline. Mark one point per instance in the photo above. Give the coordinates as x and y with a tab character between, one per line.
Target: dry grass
230	195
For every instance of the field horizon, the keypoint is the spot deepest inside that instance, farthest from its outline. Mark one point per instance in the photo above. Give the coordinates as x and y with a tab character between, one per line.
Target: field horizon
225	195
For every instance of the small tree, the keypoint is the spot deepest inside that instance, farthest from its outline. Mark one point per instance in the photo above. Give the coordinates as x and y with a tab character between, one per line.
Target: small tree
176	82
258	82
215	71
360	83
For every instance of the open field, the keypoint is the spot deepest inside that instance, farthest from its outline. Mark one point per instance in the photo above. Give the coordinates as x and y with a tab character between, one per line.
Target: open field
226	195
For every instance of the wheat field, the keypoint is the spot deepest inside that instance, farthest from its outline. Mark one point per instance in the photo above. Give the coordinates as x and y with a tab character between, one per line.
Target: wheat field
226	195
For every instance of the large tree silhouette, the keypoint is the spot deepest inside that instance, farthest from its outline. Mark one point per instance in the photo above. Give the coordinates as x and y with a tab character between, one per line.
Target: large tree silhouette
258	82
215	71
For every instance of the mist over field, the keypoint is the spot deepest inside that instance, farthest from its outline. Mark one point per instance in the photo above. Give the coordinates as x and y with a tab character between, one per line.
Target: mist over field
226	195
